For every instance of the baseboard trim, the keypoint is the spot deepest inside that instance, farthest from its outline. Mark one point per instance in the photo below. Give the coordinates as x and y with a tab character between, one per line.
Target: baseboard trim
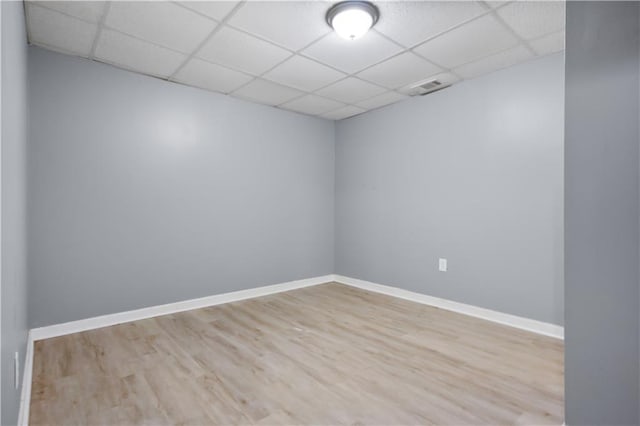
25	394
539	327
170	308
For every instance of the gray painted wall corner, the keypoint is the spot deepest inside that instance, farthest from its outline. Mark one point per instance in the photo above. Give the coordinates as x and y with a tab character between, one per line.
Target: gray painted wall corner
144	192
472	173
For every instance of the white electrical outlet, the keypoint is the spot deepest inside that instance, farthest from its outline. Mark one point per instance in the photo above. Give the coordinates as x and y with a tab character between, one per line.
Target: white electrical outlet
442	265
16	370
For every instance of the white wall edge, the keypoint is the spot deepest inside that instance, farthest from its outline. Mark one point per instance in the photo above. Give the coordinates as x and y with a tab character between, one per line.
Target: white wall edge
25	395
170	308
535	326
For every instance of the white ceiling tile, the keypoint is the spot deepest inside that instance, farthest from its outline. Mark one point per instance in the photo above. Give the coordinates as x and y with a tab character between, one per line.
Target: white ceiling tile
350	90
473	48
138	55
411	22
160	22
497	3
352	55
241	51
494	62
550	43
312	104
344	112
481	37
211	76
213	9
382	100
59	31
87	10
266	92
400	71
303	74
292	24
531	19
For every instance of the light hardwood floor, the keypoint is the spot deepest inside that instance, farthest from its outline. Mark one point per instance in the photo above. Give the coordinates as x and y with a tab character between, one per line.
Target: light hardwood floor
328	354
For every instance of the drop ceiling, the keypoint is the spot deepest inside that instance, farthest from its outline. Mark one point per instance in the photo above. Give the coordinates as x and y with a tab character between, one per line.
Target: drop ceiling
284	54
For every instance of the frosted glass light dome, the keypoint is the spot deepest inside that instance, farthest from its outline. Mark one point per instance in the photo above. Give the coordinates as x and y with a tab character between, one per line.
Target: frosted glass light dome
352	19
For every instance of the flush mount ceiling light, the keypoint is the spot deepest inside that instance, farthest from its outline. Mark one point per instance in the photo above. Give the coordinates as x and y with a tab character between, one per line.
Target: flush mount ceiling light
352	19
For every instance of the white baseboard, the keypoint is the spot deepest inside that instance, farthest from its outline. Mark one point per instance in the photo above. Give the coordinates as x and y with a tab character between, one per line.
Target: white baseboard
25	394
547	329
170	308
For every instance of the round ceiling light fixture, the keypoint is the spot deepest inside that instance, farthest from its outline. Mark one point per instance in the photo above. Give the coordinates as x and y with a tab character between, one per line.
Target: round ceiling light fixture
352	19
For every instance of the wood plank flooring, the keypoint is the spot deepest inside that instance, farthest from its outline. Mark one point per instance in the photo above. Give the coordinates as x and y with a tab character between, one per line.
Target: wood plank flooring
328	354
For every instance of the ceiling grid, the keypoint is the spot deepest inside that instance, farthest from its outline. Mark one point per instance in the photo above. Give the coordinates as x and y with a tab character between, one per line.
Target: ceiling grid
284	54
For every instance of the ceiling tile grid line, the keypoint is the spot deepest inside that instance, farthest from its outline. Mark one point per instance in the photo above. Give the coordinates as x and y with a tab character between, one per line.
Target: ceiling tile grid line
314	92
346	76
293	54
410	49
488	11
217	29
101	25
61	31
191	9
105	12
346	80
300	52
493	11
526	43
482	58
224	22
105	27
406	49
308	53
523	41
47	5
133	36
122	50
291	24
258	36
207	38
477	38
164	23
226	19
353	75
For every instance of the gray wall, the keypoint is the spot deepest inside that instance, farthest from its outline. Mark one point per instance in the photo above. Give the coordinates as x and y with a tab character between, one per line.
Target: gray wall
601	222
144	192
473	174
14	142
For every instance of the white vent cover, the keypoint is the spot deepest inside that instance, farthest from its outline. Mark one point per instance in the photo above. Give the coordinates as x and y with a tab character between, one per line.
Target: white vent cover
431	86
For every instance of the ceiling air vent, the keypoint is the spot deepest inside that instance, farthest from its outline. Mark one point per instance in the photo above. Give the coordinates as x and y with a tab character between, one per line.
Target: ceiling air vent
428	87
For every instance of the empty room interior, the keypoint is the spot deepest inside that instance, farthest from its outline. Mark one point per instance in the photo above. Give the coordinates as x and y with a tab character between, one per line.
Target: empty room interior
320	212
